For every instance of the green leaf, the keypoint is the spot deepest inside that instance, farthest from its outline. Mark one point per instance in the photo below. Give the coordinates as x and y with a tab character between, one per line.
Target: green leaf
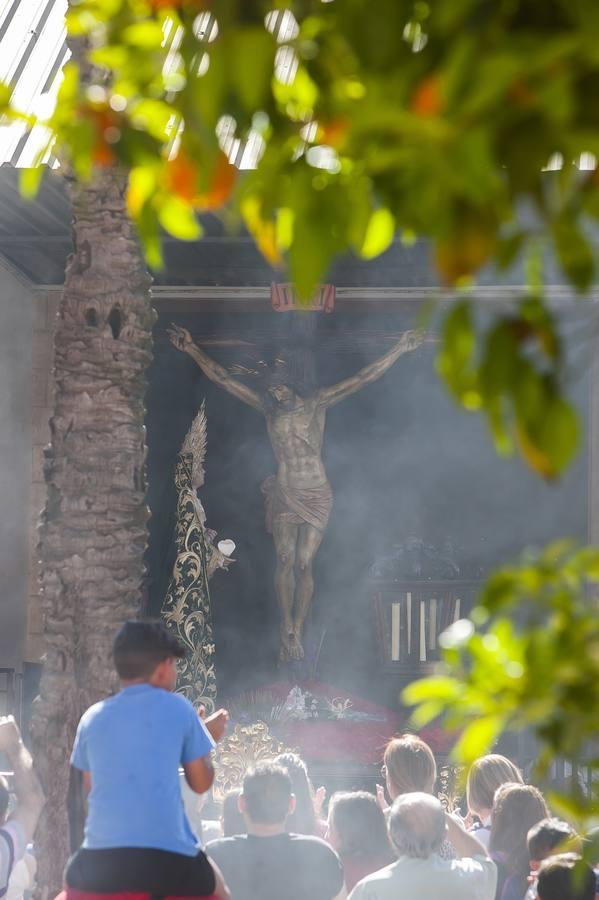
508	249
574	252
559	434
433	688
143	34
284	228
154	116
178	218
5	96
142	185
380	232
112	57
30	180
478	738
208	91
425	713
251	50
299	98
455	361
147	226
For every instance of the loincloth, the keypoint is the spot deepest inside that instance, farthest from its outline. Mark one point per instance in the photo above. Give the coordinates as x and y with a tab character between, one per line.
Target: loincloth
297	506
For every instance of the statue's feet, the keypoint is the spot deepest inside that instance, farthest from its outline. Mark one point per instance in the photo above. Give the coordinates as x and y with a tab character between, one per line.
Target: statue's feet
291	647
296	651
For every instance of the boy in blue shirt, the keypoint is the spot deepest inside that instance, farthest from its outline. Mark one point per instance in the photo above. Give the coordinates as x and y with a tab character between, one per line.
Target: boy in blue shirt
129	748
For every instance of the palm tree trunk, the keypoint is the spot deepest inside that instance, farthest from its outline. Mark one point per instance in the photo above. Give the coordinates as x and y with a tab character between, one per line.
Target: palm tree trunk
93	531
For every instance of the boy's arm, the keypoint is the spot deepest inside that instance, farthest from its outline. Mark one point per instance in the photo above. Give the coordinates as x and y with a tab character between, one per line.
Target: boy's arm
199	774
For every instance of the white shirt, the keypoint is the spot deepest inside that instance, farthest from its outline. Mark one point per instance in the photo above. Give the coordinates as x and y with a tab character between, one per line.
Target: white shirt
12	848
430	879
22	878
483	835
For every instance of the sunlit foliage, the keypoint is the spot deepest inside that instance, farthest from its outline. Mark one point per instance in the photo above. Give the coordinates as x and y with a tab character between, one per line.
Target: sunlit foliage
328	127
531	663
354	122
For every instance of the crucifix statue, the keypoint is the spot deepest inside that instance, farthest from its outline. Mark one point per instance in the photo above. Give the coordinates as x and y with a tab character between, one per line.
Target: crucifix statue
299	497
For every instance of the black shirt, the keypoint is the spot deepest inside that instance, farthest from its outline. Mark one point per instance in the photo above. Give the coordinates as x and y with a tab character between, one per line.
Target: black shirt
281	867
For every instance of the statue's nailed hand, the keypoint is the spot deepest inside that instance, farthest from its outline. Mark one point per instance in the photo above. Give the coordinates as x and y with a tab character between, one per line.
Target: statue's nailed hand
179	337
412	339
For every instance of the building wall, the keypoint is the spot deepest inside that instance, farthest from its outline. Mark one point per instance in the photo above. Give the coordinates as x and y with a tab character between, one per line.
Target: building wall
44	308
15	461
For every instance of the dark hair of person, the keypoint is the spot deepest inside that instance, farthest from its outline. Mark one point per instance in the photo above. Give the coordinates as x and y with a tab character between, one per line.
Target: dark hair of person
4	798
303	819
360	825
558	879
141	645
266	792
516	808
548	835
231	818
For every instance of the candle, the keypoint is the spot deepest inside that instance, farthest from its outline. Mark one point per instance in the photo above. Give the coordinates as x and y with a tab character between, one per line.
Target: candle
422	632
433	623
395	631
409	620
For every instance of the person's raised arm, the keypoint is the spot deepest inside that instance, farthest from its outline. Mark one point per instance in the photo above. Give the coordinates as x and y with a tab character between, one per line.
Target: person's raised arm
407	342
465	844
182	340
30	797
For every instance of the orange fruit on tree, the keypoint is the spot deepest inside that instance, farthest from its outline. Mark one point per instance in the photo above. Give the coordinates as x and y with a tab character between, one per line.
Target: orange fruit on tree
102	118
335	131
220	186
181	177
427	100
103	155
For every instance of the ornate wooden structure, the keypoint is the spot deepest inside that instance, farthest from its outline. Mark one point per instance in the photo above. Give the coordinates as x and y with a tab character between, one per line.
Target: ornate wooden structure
411	614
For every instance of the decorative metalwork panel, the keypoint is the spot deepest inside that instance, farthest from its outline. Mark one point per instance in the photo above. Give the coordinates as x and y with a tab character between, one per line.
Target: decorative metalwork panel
235	754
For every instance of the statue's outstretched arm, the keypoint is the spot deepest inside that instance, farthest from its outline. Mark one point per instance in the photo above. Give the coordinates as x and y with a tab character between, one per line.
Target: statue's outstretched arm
408	341
182	340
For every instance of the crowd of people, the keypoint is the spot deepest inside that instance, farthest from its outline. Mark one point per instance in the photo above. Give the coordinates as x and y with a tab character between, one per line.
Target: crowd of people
273	840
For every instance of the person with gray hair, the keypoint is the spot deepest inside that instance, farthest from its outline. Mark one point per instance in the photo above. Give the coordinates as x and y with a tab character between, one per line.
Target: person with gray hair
418	825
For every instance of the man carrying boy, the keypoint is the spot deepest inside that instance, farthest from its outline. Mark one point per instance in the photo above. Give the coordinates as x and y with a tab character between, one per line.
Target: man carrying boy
129	748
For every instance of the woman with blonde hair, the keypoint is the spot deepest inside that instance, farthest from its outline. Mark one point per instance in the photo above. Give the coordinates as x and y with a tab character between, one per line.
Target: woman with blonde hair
486	774
408	766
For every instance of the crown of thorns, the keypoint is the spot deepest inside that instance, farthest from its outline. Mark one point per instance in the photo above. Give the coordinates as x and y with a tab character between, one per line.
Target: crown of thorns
269	375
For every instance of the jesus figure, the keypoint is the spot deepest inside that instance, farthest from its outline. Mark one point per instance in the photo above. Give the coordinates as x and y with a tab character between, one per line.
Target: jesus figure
299	497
